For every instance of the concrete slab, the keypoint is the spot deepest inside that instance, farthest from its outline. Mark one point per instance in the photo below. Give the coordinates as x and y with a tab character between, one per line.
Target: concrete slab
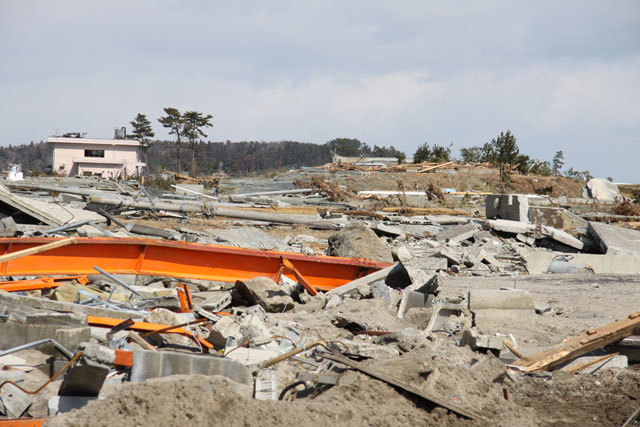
496	307
15	334
13	401
412	299
559	218
615	240
457	233
514	207
41	303
562	237
507	226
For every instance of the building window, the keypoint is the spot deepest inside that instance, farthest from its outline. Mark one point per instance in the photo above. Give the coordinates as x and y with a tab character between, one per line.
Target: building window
94	153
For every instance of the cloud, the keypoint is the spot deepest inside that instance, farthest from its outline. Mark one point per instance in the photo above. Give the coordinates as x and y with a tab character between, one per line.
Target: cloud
401	73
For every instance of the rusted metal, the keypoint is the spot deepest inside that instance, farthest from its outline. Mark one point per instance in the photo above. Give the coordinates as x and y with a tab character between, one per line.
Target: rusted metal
184	296
151	328
177	259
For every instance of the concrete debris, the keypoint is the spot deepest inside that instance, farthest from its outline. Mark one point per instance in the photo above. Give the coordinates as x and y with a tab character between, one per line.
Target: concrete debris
601	191
357	240
267	293
615	240
513	207
443	301
457	233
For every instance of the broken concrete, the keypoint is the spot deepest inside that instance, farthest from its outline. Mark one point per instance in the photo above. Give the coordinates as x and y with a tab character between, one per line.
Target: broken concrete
514	207
267	293
615	240
457	233
154	364
492	308
359	241
601	191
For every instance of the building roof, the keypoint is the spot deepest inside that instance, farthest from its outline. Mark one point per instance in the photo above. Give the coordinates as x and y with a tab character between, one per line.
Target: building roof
93	141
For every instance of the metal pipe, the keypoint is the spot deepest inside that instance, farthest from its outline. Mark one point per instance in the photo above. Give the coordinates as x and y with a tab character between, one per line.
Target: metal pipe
194	192
119	282
276	192
59	346
67	227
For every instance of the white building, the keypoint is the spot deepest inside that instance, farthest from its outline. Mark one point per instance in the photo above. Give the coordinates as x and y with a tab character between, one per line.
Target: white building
109	158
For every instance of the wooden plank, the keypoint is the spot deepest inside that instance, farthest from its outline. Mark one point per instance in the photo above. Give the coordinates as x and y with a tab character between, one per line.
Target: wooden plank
37	249
440	165
402	385
592	339
574	369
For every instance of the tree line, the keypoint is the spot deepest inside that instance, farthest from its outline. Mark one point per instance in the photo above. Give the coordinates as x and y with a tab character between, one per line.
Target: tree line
246	157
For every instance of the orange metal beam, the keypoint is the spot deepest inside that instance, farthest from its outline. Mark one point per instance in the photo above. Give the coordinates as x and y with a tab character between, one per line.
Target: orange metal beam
177	259
23	422
108	322
40	283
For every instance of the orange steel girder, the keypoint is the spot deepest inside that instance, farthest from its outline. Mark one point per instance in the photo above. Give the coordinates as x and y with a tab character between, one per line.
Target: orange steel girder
177	259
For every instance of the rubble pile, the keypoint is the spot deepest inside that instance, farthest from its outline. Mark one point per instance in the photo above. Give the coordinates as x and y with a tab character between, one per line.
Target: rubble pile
121	304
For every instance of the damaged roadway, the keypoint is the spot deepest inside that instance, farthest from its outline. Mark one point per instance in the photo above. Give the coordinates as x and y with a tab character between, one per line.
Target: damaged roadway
516	314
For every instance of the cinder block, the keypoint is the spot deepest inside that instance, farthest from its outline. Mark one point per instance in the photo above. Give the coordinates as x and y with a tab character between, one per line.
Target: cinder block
154	364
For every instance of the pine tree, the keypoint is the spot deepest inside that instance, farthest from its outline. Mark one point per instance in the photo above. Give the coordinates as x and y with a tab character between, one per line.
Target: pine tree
142	131
175	123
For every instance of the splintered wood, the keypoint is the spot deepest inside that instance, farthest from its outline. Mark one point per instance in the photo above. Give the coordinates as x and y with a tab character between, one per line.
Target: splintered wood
592	339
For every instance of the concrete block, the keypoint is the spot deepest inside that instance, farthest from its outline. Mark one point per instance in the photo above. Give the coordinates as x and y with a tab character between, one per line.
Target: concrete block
154	364
615	240
217	302
15	334
514	207
495	307
61	404
457	233
499	299
507	226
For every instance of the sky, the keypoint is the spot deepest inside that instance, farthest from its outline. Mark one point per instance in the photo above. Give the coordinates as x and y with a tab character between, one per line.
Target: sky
561	75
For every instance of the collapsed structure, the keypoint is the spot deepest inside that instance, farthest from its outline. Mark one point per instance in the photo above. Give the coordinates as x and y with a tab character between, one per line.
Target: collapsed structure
382	308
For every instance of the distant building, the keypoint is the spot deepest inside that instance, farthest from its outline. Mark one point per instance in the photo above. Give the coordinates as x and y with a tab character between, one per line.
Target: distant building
109	158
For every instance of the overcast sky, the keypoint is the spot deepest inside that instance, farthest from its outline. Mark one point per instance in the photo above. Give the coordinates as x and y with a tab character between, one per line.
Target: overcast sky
562	75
